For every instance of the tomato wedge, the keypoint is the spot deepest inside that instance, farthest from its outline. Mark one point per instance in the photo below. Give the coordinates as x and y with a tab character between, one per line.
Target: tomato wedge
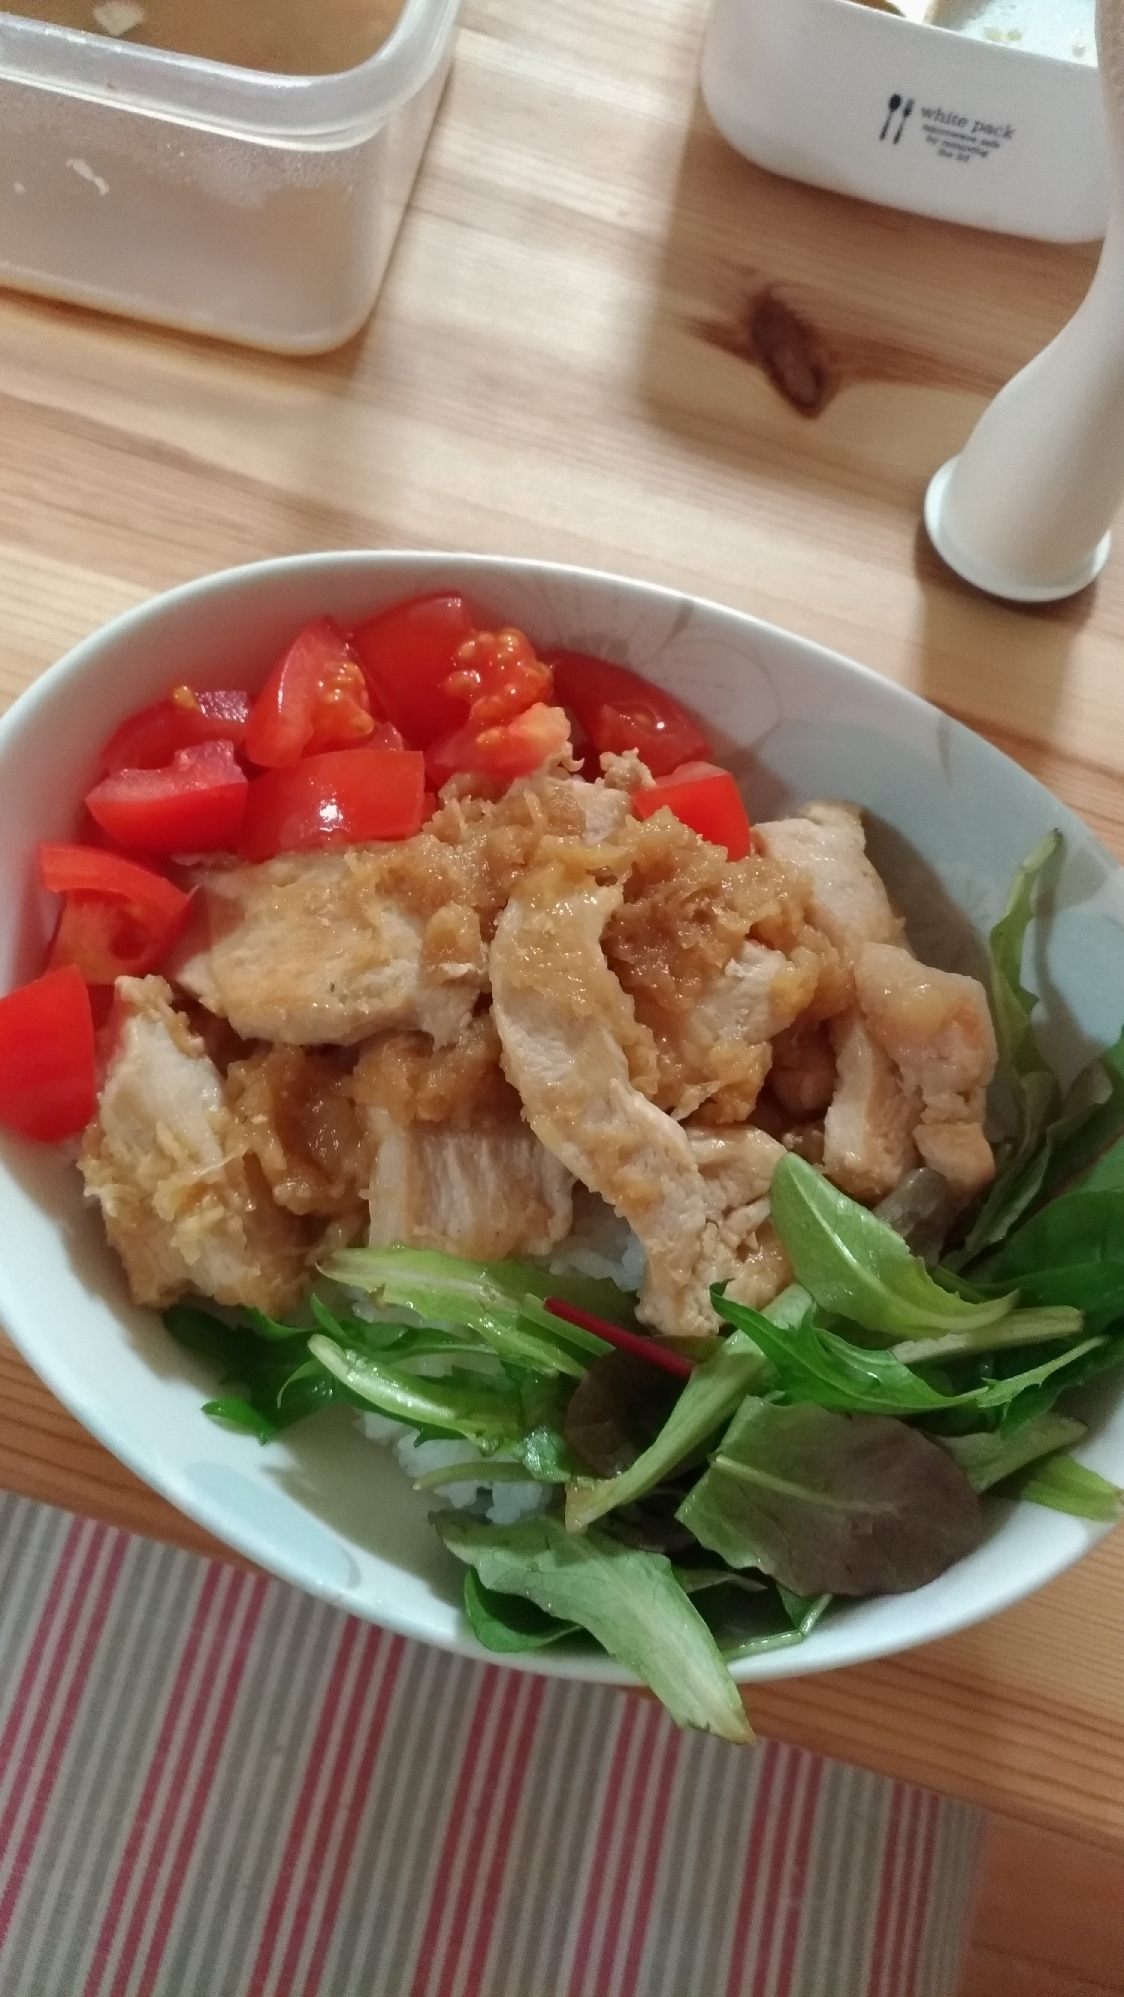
118	919
150	738
343	798
407	652
48	1075
510	749
195	805
314	699
499	676
705	798
618	710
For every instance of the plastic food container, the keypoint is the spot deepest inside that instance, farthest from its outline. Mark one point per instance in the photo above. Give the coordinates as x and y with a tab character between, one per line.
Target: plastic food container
257	207
912	116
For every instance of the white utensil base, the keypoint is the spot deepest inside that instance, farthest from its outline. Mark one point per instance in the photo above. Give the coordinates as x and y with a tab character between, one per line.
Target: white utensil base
993	580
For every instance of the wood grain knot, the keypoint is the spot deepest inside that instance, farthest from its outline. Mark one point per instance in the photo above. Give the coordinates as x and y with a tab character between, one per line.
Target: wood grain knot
785	346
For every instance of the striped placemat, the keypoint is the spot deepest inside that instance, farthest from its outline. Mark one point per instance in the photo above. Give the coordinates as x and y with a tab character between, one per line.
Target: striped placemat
212	1785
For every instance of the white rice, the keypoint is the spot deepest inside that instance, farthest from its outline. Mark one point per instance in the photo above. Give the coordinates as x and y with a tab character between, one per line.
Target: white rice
599	1244
506	1503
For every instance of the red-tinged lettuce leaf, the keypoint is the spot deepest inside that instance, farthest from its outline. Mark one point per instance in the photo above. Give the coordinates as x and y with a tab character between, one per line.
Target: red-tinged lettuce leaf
708	1400
617	1411
833	1504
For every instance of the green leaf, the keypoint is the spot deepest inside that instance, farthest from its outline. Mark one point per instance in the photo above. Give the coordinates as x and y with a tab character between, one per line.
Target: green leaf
989	1456
1079	1231
489	1415
500	1301
709	1398
1032	1083
749	1616
853	1264
1092	1122
819	1367
277	1381
1064	1485
629	1601
1082	1141
1033	1089
270	1328
230	1412
833	1504
1031	1327
508	1623
1084	1362
548	1456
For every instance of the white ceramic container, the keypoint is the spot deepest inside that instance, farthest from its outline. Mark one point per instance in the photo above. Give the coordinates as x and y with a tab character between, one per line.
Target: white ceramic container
950	820
912	116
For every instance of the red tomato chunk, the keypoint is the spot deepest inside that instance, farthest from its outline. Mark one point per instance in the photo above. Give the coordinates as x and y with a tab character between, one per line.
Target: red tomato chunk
314	699
343	798
195	805
617	710
705	798
512	749
48	1077
407	654
148	740
118	919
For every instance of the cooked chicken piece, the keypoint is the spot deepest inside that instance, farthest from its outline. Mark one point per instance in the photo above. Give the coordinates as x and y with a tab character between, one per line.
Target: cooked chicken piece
848	903
568	1031
687	947
299	1116
310	949
936	1026
625	772
475	849
960	1153
803	1075
405	1074
740	1247
184	1206
868	1142
485	1193
455	1166
566	1028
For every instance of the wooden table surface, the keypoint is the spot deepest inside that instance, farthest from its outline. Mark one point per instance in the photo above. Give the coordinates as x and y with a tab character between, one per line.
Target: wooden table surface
606	338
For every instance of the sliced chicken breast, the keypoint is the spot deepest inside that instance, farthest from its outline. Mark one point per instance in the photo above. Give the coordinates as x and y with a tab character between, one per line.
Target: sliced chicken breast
936	1027
455	1167
485	1193
298	1114
849	903
184	1205
868	1130
569	1037
310	949
740	1245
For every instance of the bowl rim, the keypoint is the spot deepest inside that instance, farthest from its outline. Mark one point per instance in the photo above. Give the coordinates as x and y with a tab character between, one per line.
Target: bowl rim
797	1661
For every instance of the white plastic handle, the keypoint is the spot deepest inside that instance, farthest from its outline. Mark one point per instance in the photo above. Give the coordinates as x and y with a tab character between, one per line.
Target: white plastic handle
1025	510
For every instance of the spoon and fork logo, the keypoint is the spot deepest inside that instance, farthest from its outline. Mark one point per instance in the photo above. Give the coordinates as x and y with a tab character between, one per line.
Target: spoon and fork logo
895	106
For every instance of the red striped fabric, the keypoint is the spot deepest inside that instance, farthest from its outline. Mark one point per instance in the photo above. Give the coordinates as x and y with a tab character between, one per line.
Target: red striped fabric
213	1786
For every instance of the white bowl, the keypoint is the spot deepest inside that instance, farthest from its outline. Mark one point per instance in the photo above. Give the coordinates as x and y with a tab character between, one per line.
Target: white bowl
952	818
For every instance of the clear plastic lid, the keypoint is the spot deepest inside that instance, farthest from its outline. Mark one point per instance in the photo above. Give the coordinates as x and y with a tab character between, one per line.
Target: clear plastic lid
213	95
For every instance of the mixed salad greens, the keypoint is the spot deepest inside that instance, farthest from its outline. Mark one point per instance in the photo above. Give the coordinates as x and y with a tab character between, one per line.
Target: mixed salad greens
835	1444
